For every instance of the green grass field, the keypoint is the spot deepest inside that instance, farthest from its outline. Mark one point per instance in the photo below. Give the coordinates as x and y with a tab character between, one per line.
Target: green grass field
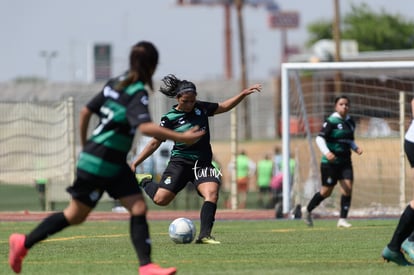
248	247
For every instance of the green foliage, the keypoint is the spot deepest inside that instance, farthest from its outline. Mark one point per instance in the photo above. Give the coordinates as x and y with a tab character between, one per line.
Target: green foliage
373	31
248	247
319	30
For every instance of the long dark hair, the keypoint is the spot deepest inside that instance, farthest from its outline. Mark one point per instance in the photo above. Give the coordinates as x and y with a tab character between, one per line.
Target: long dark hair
171	86
143	60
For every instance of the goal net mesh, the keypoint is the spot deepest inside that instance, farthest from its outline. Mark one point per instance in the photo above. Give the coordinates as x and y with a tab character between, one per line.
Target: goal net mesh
37	143
380	105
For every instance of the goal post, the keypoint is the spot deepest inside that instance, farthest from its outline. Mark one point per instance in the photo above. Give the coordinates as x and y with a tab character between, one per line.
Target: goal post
380	93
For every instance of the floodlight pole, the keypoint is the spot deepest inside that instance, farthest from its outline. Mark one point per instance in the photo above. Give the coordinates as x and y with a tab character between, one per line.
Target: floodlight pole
48	56
228	44
337	38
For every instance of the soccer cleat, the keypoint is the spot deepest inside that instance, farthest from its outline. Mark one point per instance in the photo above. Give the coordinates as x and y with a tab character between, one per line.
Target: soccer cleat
153	269
343	223
408	248
307	218
394	256
141	177
207	240
17	251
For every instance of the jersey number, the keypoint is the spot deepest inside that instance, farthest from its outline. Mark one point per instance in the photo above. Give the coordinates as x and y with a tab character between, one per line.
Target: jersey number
108	114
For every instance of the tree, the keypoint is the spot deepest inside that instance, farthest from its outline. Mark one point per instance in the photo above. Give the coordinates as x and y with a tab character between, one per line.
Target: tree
373	31
318	30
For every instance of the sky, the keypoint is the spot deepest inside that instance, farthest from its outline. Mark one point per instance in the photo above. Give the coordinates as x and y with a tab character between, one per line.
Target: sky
190	39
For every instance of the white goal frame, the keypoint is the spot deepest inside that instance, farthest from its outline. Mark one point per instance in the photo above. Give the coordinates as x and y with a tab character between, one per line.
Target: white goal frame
286	70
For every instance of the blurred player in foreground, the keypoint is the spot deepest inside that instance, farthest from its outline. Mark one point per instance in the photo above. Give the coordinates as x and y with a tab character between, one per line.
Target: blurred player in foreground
399	241
122	107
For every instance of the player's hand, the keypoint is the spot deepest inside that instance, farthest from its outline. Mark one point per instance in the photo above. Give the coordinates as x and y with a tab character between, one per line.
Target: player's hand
330	156
253	89
359	151
192	136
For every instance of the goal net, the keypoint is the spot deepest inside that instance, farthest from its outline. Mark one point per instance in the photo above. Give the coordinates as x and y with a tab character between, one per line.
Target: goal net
37	146
380	95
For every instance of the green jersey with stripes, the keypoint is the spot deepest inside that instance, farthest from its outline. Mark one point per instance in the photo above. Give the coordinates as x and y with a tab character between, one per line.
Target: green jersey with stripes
180	121
120	113
338	133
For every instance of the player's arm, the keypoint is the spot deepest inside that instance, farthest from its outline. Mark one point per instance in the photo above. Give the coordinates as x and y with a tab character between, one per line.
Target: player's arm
232	102
148	150
84	118
153	130
321	141
356	148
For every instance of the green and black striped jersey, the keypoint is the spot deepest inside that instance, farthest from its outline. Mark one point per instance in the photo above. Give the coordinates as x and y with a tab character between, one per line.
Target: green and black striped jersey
181	121
120	113
339	136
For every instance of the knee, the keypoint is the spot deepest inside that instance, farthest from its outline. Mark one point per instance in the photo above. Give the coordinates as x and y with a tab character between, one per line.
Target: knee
75	217
138	208
75	220
161	200
347	192
211	196
325	194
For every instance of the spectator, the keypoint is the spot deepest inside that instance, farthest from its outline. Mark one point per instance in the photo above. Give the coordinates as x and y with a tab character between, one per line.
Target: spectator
277	159
245	168
264	173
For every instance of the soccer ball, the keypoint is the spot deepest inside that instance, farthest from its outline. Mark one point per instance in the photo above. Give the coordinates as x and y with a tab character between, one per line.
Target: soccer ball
182	230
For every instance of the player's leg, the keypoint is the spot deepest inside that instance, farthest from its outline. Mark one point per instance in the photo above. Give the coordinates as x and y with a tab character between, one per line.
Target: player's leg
317	198
404	228
19	244
329	180
208	185
407	224
140	235
131	197
208	188
346	196
173	180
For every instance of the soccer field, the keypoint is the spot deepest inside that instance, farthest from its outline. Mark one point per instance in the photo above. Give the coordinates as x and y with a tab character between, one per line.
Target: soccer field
248	247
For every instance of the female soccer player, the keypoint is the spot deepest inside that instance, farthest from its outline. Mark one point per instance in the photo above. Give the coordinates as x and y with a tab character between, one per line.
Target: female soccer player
335	141
189	163
405	227
122	107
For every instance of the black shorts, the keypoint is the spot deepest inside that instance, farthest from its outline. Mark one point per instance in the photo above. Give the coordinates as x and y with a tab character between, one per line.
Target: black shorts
331	173
180	171
409	152
90	190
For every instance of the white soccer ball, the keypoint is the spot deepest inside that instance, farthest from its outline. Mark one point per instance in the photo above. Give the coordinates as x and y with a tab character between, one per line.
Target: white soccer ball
182	230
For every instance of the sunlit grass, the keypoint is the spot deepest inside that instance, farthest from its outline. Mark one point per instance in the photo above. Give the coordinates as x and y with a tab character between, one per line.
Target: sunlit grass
248	247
